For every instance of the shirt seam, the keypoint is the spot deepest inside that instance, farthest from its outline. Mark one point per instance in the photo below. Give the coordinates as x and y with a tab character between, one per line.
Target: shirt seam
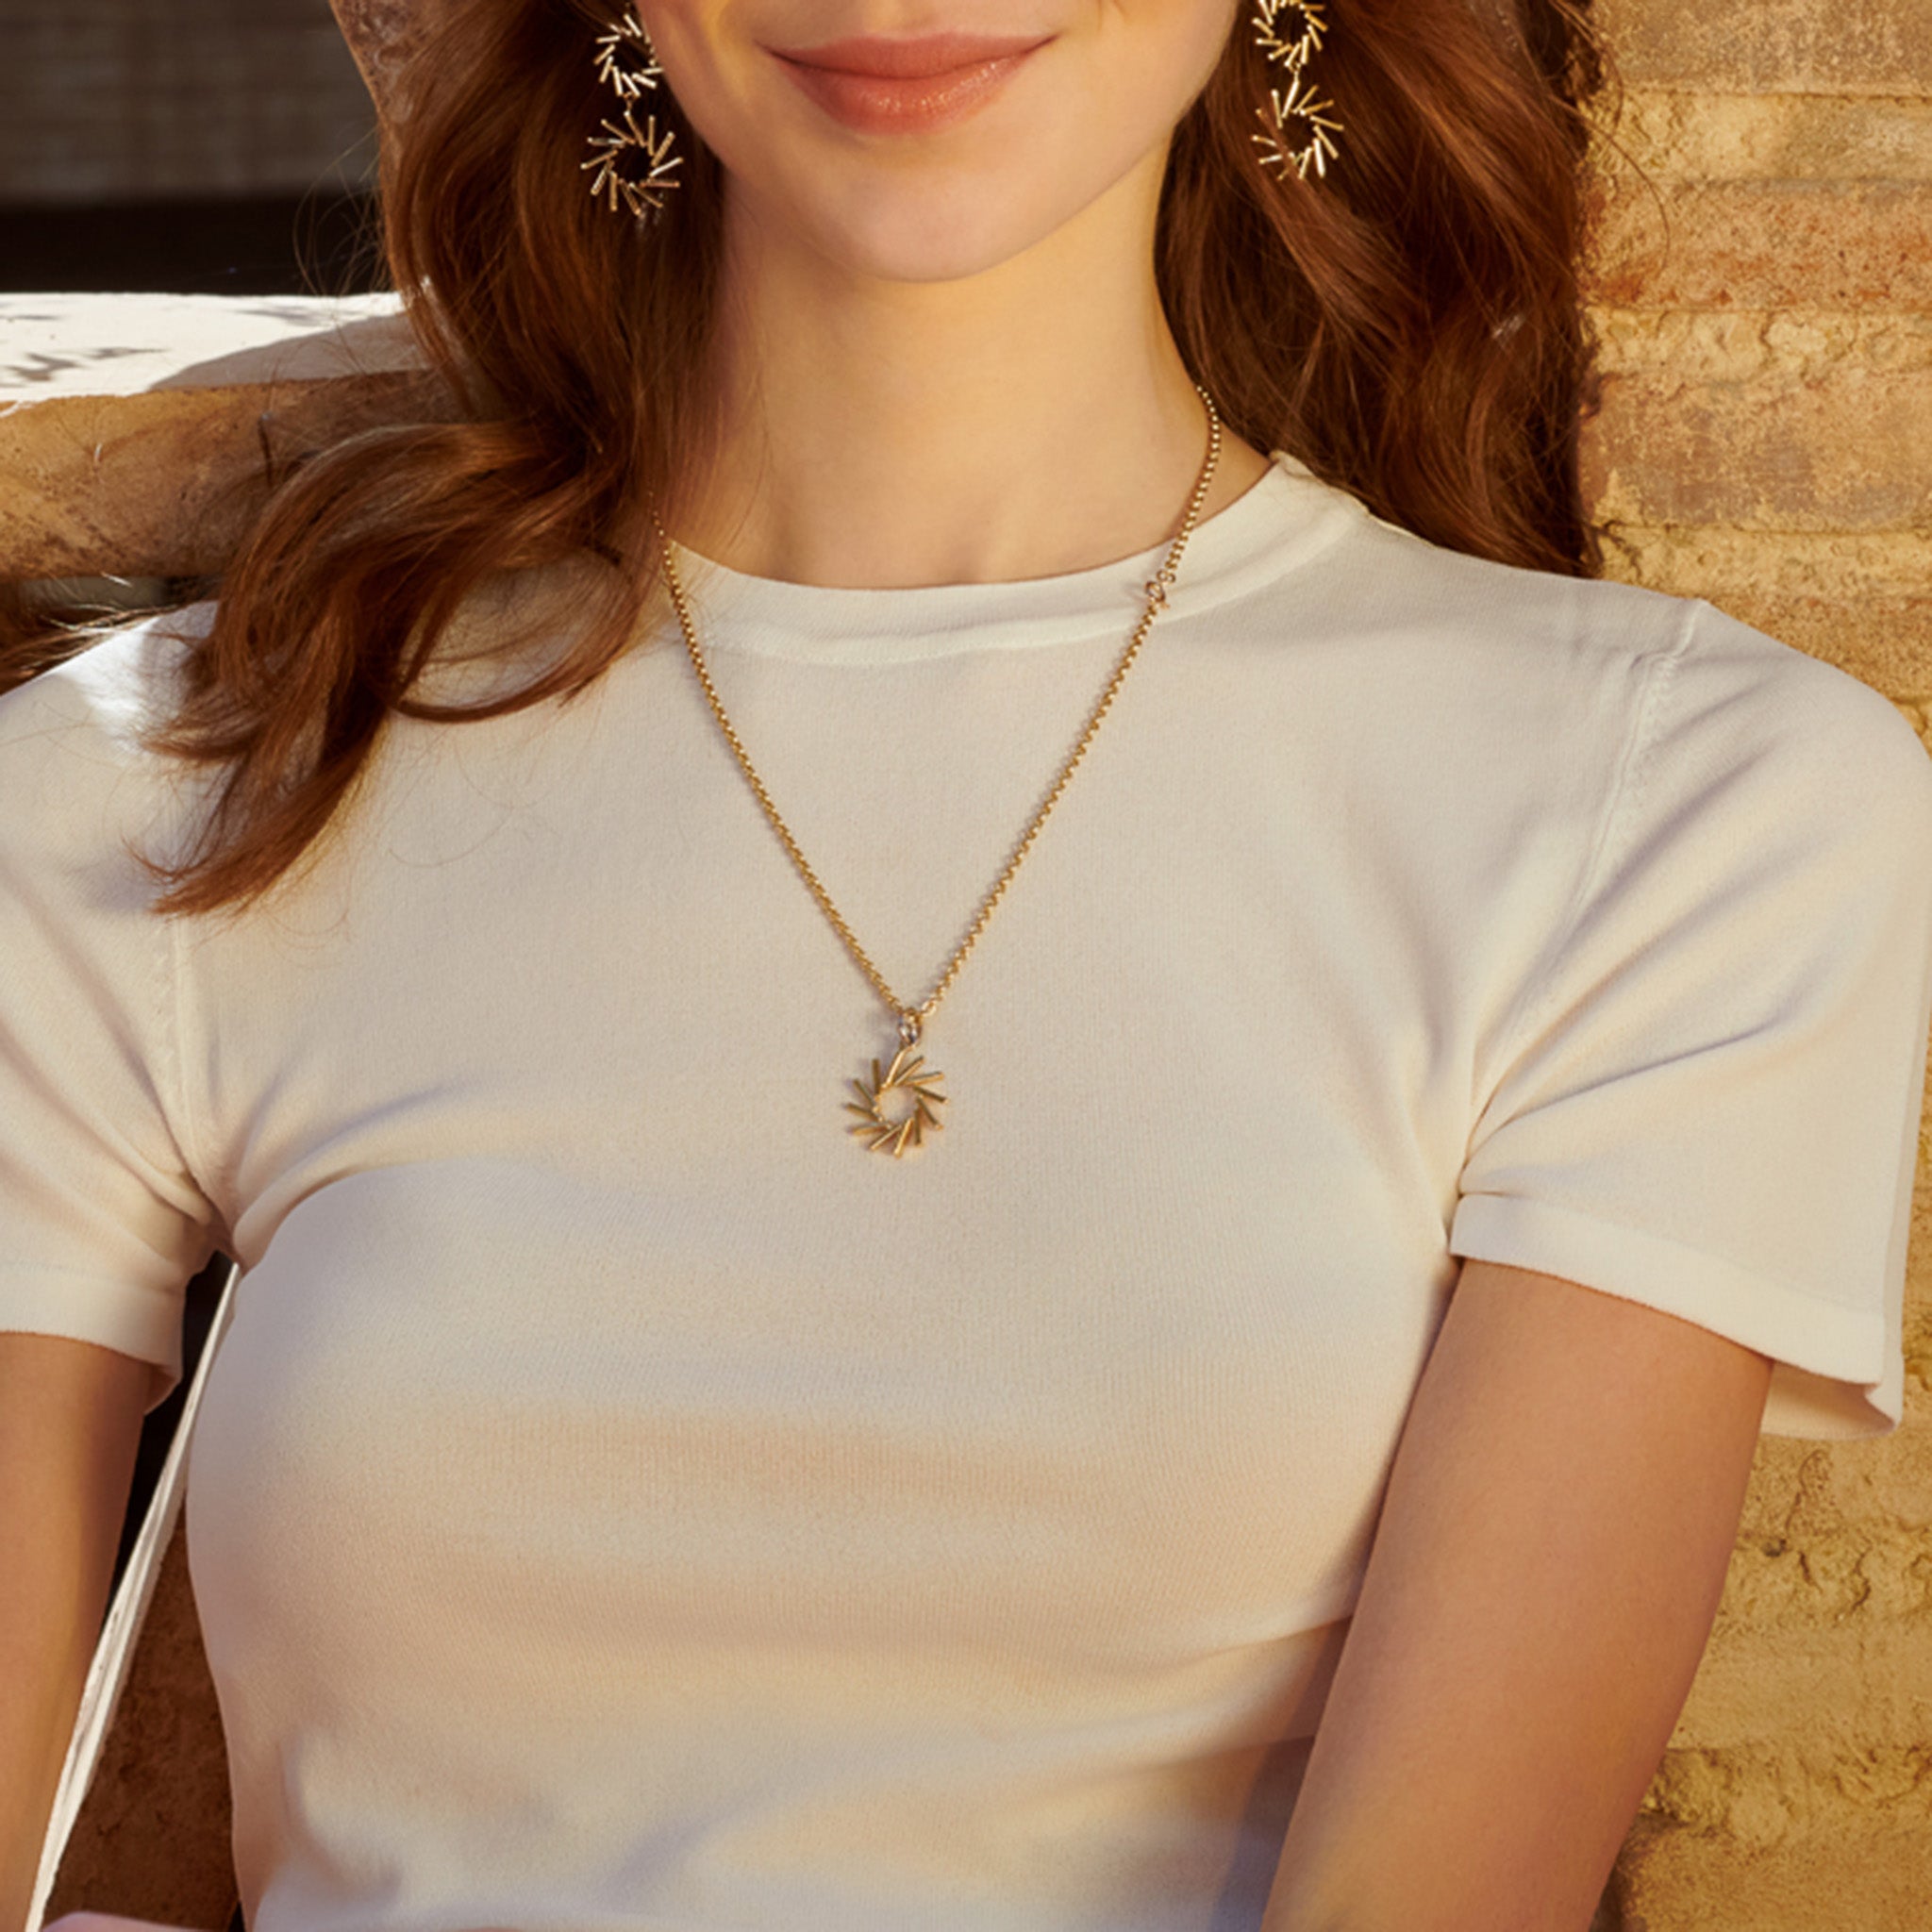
190	1117
1624	794
190	1113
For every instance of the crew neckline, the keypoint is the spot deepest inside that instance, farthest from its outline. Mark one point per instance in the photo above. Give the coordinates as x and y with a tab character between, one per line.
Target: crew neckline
1275	526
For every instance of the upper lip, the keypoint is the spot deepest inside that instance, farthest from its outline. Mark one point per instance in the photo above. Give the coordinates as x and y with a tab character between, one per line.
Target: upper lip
918	59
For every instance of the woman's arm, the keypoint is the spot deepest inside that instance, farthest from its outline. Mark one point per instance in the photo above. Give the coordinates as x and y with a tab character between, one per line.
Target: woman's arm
1549	1558
106	1921
70	1425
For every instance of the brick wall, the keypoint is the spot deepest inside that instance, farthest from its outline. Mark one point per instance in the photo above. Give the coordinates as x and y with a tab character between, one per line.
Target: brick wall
1766	442
111	100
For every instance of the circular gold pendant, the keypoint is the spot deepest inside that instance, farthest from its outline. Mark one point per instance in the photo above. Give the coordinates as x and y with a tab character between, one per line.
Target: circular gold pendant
904	1076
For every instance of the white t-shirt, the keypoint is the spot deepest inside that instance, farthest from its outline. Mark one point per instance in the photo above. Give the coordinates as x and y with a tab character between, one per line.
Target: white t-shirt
623	1501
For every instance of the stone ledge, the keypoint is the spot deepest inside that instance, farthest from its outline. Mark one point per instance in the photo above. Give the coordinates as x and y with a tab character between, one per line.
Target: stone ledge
55	346
136	432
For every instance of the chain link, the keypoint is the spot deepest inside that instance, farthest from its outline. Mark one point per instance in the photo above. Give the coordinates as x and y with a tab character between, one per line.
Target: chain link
1157	589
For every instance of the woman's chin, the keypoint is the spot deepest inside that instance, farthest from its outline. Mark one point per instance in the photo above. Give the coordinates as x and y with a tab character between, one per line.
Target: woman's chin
897	232
936	254
898	224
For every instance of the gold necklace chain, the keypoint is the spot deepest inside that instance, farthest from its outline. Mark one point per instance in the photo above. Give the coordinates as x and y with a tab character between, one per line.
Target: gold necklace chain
907	1074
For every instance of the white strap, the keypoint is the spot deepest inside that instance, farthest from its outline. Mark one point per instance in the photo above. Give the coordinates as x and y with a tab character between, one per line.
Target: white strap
115	1651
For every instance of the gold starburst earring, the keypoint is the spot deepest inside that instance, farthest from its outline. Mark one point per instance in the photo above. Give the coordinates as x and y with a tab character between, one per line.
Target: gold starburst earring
1300	124
627	65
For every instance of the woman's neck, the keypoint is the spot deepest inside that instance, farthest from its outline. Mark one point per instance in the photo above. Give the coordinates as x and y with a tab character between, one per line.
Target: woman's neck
1025	422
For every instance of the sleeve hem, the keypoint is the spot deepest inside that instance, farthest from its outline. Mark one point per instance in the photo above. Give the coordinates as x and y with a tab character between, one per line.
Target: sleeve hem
1836	1372
109	1314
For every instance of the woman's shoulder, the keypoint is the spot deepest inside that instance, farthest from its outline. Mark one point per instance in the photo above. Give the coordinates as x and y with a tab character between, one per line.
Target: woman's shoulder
1591	652
1726	677
98	699
76	768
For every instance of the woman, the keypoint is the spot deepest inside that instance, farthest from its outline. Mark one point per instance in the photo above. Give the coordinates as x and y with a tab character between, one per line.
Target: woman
778	1382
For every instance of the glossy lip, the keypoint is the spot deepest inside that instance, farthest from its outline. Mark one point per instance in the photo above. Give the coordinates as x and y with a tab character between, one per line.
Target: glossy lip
918	59
879	86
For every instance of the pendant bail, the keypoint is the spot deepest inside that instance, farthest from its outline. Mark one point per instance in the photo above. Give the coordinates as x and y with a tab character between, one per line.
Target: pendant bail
909	1028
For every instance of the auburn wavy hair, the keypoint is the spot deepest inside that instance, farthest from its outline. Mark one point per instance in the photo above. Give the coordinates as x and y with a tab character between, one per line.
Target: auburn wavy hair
1410	326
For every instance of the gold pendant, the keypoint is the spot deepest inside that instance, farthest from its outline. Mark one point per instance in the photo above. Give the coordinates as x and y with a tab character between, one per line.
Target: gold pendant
894	1136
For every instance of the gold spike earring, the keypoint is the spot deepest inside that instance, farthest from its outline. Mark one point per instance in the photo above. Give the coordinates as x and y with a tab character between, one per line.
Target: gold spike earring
627	65
1301	125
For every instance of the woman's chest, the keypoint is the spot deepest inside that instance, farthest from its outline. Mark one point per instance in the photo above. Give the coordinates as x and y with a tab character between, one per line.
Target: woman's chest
567	1280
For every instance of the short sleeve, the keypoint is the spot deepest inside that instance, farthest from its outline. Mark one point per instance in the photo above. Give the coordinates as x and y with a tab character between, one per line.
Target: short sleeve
1709	1100
101	1221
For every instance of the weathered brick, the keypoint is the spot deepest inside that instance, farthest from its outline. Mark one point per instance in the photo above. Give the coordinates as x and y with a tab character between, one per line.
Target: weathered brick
1885	641
1692	134
1841	567
1778	1694
1863	603
1746	344
1799	47
1761	244
1794	1581
1846	452
1834	1879
1800	1488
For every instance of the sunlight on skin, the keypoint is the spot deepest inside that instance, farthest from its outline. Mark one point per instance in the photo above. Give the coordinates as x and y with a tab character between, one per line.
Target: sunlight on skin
945	360
1594	1452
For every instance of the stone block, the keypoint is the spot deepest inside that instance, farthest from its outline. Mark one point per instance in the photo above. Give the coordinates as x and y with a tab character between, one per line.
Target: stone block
1800	1489
1837	566
1860	600
83	345
1679	1879
1790	46
1805	1652
1692	135
1719	345
1765	244
1842	452
1759	1800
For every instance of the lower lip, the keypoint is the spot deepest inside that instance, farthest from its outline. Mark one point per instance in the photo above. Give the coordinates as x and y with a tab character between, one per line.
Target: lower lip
875	104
